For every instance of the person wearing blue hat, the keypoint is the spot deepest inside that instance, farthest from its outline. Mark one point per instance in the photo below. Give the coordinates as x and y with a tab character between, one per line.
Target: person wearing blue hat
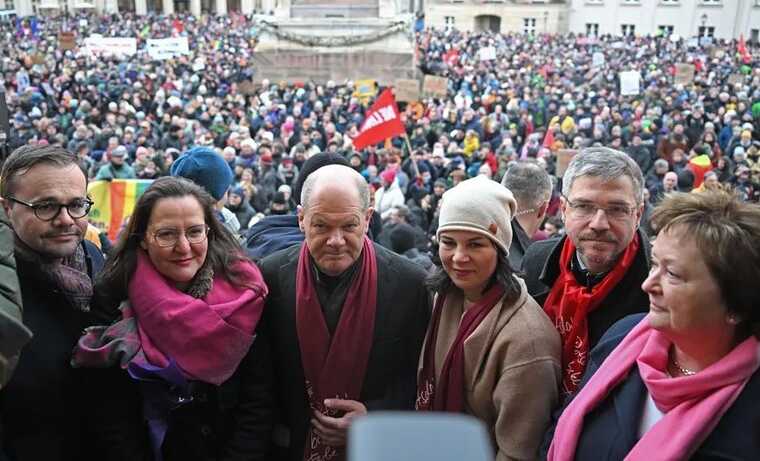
205	167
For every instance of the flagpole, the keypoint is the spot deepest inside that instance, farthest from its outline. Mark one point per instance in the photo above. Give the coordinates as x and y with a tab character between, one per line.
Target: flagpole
411	156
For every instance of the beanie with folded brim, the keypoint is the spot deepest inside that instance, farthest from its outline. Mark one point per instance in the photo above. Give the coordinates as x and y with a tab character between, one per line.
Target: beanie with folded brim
479	205
205	167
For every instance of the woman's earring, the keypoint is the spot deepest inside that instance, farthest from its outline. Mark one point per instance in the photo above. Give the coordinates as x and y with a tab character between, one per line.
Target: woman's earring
733	319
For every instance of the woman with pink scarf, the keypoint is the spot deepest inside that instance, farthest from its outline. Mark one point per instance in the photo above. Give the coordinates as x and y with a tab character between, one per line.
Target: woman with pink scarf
681	382
186	304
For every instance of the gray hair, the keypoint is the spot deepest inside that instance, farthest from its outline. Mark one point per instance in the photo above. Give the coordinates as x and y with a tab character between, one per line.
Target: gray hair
336	173
608	164
528	182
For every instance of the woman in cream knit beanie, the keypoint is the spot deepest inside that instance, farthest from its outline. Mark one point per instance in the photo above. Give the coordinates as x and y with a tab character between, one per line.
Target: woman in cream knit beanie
490	350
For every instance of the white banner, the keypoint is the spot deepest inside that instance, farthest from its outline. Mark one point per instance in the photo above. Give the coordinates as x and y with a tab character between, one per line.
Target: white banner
117	46
167	48
488	53
629	83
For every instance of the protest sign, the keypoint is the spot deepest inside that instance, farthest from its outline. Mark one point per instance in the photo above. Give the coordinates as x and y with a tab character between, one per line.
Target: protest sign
167	48
563	160
365	90
488	53
630	82
436	87
733	79
684	74
22	81
598	59
117	46
407	90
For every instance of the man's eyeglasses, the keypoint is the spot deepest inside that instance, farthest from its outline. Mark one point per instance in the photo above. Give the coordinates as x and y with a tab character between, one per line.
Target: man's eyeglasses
589	210
169	237
48	211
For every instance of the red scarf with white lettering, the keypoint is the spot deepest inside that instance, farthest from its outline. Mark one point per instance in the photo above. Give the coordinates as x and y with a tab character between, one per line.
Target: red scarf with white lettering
334	367
447	393
569	304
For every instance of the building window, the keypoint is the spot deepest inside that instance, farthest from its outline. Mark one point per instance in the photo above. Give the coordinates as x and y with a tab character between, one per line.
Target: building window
631	2
706	31
529	26
754	36
592	29
594	2
665	30
628	29
448	22
670	2
712	2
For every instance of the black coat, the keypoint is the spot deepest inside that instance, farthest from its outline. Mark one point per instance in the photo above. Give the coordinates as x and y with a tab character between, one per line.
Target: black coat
520	243
229	422
610	431
541	269
49	410
403	312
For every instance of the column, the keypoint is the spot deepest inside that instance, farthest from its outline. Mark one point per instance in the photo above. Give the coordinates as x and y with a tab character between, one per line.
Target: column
168	6
221	7
141	7
246	7
195	8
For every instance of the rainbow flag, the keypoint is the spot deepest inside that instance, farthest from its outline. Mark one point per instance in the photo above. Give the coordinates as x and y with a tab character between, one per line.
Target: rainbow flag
114	202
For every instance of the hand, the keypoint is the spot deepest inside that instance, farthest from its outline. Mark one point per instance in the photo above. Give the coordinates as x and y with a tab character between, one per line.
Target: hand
331	430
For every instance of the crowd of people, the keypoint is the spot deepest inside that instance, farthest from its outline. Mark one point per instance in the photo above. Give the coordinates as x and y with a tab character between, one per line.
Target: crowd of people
274	283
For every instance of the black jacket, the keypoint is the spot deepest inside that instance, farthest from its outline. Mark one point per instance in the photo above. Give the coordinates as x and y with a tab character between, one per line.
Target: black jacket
541	269
403	312
610	431
49	410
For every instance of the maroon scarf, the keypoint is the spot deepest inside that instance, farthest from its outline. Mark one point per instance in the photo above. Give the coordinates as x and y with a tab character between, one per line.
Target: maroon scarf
447	394
334	367
569	304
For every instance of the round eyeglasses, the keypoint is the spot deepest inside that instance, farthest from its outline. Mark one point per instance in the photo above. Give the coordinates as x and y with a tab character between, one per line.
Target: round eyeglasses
169	237
48	211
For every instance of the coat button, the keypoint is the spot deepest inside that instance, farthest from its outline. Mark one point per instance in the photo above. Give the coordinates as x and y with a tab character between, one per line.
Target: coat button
206	430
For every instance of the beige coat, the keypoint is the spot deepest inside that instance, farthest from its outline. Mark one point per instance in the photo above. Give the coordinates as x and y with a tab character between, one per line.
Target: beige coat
512	371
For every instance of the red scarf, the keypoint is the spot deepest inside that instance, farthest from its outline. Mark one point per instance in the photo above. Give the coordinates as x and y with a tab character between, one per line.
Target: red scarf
334	367
693	405
447	394
569	304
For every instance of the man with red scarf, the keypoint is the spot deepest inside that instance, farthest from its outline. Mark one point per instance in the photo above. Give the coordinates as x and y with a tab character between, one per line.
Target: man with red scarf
347	319
591	278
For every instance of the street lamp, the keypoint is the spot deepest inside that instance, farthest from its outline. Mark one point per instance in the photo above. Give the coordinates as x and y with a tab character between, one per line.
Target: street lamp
546	22
703	18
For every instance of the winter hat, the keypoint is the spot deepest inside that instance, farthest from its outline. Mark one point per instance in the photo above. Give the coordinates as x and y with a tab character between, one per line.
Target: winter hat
482	206
388	175
311	165
402	238
205	167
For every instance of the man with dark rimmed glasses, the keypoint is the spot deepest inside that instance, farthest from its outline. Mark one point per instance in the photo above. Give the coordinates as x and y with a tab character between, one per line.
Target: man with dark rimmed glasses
47	407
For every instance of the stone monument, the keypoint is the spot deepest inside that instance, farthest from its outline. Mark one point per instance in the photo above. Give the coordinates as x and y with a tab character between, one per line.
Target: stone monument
337	40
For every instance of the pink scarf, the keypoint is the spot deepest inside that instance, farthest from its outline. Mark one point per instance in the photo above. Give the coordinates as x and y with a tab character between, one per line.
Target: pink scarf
208	337
693	405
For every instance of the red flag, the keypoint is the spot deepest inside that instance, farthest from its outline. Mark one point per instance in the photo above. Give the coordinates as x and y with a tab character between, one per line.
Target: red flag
743	51
382	121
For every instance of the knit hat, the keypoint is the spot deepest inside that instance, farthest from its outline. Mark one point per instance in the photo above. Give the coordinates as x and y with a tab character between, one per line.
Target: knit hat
482	206
205	167
388	176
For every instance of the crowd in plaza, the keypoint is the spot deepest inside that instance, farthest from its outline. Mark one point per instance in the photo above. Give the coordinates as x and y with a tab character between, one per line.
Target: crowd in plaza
487	263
